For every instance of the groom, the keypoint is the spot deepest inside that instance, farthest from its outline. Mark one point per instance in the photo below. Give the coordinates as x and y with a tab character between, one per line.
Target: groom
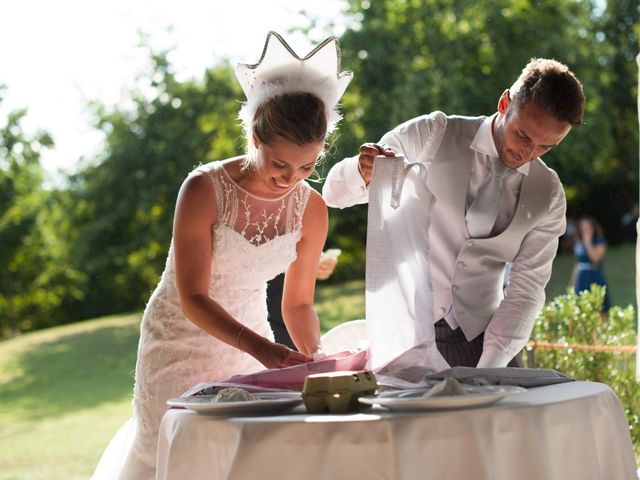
496	202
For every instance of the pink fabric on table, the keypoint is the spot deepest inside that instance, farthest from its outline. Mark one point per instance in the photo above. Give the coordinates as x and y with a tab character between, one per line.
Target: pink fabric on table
292	378
289	378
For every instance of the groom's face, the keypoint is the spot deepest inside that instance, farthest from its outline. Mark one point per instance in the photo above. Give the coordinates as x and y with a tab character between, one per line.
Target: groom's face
526	132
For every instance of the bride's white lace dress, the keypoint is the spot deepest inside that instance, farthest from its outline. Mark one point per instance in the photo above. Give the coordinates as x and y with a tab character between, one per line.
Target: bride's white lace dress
254	239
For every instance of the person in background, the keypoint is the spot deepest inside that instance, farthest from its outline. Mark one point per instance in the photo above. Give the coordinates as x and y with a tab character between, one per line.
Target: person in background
328	262
590	249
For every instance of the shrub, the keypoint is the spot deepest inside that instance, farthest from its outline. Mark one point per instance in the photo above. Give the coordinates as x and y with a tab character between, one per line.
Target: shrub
574	319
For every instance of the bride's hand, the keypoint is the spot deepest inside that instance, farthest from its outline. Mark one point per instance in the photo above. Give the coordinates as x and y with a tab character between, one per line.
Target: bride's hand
291	357
275	355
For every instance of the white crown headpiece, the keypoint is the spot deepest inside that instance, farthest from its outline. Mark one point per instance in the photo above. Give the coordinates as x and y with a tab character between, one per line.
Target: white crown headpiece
280	70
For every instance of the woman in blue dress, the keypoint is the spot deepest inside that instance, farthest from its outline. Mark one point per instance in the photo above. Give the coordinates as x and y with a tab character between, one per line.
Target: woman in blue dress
589	249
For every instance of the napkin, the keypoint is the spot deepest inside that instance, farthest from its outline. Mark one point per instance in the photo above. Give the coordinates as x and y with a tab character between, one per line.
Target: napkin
521	377
288	378
418	377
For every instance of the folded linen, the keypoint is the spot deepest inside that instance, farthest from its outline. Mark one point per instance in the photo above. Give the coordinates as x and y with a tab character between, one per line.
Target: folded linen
288	378
521	377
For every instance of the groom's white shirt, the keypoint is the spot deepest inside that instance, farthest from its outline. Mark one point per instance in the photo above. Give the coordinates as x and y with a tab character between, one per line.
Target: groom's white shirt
467	273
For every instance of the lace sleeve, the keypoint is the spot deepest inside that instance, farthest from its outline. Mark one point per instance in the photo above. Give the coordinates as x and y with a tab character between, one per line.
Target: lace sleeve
297	204
226	200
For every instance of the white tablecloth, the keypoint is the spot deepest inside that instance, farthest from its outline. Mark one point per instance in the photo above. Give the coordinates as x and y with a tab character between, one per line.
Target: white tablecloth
568	431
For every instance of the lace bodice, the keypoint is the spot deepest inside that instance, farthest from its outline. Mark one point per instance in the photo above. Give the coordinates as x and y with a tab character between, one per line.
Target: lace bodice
257	219
254	239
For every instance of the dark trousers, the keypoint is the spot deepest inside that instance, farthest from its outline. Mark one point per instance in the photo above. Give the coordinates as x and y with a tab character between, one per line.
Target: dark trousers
274	308
458	351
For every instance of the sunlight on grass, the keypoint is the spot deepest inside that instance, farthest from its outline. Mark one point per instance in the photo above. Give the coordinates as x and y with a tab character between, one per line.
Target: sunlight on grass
336	304
63	393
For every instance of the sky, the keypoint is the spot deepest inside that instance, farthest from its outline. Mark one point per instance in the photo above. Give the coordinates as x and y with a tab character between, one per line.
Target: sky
57	56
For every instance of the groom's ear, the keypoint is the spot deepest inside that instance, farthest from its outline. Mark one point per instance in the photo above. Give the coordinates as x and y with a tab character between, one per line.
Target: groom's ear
503	103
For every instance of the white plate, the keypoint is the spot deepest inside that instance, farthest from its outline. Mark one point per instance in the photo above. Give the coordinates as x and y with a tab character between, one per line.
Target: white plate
268	403
413	400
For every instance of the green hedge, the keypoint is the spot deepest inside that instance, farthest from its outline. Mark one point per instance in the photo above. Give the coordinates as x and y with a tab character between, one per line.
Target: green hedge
575	319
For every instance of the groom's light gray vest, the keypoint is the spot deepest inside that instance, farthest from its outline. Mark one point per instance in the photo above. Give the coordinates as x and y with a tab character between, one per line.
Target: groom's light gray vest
468	273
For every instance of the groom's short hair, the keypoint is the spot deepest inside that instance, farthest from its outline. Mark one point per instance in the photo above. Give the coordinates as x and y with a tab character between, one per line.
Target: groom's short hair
553	87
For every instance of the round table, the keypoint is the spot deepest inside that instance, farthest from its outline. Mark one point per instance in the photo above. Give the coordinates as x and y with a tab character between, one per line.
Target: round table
574	430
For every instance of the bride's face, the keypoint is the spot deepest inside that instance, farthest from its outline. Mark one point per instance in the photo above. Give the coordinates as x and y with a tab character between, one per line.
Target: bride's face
280	165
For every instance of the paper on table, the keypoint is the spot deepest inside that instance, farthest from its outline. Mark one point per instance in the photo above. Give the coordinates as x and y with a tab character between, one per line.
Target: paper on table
522	377
519	377
288	378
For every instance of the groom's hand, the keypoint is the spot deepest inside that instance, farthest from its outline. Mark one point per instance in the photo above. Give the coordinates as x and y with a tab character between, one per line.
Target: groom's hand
368	151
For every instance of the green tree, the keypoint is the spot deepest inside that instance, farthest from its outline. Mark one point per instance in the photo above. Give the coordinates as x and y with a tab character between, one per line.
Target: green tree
21	197
609	184
123	205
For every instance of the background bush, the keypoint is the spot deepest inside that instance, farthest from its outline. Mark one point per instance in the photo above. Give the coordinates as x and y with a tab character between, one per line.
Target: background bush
574	319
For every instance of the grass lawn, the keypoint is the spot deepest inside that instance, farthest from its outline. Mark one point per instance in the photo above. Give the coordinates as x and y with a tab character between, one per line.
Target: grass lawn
65	391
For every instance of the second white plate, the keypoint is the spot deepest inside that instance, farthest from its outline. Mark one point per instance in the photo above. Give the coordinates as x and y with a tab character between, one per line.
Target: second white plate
268	403
414	400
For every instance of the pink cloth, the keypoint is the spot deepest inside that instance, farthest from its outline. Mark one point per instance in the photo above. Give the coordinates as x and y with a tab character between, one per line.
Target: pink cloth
288	378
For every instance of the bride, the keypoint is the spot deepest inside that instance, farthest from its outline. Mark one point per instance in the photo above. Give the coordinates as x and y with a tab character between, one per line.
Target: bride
238	223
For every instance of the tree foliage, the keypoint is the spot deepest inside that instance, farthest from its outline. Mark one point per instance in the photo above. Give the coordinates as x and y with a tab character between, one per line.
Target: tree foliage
27	256
123	205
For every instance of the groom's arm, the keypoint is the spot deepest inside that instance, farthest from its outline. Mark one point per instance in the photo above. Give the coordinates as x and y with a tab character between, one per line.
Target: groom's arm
346	183
510	328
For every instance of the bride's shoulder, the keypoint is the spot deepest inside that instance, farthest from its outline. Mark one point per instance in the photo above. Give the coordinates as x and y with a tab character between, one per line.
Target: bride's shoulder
233	167
315	204
230	166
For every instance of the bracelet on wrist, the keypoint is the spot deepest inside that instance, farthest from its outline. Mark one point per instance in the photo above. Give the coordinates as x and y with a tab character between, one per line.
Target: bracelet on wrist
240	335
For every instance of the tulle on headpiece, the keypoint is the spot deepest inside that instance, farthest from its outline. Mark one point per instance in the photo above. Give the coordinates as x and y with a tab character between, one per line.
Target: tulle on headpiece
280	70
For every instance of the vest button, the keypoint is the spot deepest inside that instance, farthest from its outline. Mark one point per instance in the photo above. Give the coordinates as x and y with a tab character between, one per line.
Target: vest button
462	264
455	287
471	243
442	311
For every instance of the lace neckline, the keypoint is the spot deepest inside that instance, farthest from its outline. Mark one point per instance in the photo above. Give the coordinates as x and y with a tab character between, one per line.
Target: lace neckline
258	197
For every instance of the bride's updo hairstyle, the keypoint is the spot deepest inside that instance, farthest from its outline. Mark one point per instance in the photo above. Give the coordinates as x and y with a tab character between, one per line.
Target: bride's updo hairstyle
297	117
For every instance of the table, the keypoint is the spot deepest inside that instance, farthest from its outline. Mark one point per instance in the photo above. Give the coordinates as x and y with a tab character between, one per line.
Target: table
573	430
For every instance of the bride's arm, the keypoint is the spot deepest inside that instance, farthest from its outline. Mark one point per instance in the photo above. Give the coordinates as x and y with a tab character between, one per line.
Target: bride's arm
194	216
298	309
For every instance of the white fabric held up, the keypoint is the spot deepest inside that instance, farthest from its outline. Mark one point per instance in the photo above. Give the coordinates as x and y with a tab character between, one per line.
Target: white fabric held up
399	295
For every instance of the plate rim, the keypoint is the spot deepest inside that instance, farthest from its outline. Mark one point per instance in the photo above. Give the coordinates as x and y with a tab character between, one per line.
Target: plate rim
391	401
242	406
